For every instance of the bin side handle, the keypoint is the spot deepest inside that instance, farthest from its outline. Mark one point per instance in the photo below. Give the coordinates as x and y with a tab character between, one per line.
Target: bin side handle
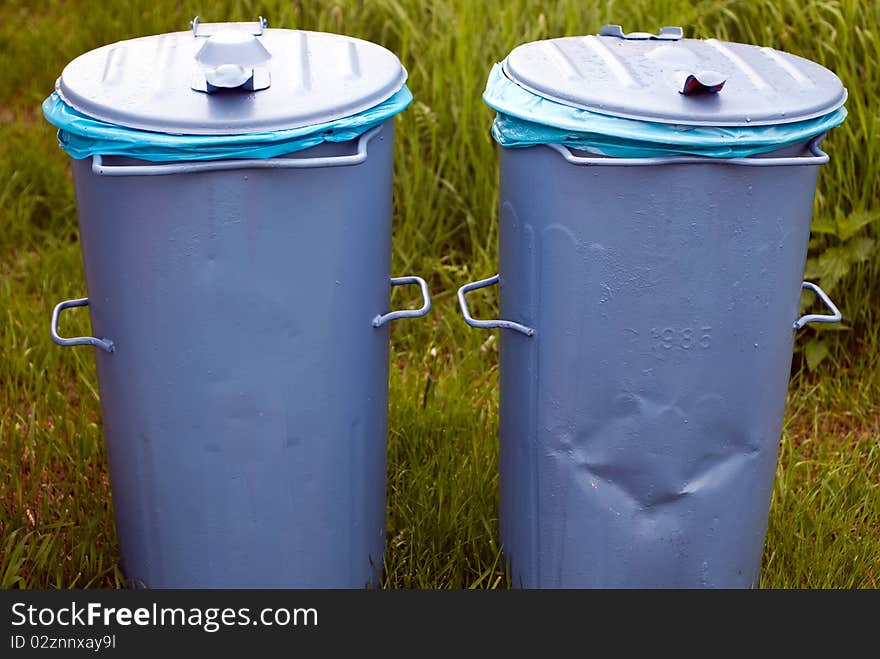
100	169
381	319
834	317
487	324
104	344
818	157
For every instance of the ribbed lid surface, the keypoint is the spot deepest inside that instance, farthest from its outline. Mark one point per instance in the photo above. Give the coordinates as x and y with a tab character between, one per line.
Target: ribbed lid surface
665	78
230	78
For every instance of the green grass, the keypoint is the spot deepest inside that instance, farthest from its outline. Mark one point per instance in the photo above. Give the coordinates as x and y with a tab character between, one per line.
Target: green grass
56	527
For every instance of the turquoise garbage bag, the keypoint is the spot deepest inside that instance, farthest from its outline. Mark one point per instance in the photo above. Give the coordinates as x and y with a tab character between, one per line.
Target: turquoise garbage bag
82	136
527	119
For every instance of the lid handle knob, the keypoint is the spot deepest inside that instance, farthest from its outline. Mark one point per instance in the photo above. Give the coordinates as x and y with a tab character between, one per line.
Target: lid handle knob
668	33
703	82
231	59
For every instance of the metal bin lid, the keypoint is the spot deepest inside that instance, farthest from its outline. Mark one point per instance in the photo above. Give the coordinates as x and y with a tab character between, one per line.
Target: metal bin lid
230	79
665	78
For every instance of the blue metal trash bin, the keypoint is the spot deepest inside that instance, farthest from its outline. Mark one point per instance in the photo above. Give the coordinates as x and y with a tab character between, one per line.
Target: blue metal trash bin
240	307
650	305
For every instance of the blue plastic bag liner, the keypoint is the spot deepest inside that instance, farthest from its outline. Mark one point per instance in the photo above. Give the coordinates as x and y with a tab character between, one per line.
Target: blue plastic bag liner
82	136
527	119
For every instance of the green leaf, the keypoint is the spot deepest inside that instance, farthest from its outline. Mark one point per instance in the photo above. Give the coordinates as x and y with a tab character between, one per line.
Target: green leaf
815	351
861	248
834	264
854	222
824	225
812	270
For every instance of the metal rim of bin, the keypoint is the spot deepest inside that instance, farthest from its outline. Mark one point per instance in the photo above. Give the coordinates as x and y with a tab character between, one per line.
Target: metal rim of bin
100	169
817	157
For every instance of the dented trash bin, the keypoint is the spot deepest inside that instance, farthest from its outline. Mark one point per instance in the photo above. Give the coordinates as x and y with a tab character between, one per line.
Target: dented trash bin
233	186
655	208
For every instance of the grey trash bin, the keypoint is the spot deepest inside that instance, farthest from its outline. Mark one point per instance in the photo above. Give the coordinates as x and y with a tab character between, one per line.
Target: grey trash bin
650	305
240	305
